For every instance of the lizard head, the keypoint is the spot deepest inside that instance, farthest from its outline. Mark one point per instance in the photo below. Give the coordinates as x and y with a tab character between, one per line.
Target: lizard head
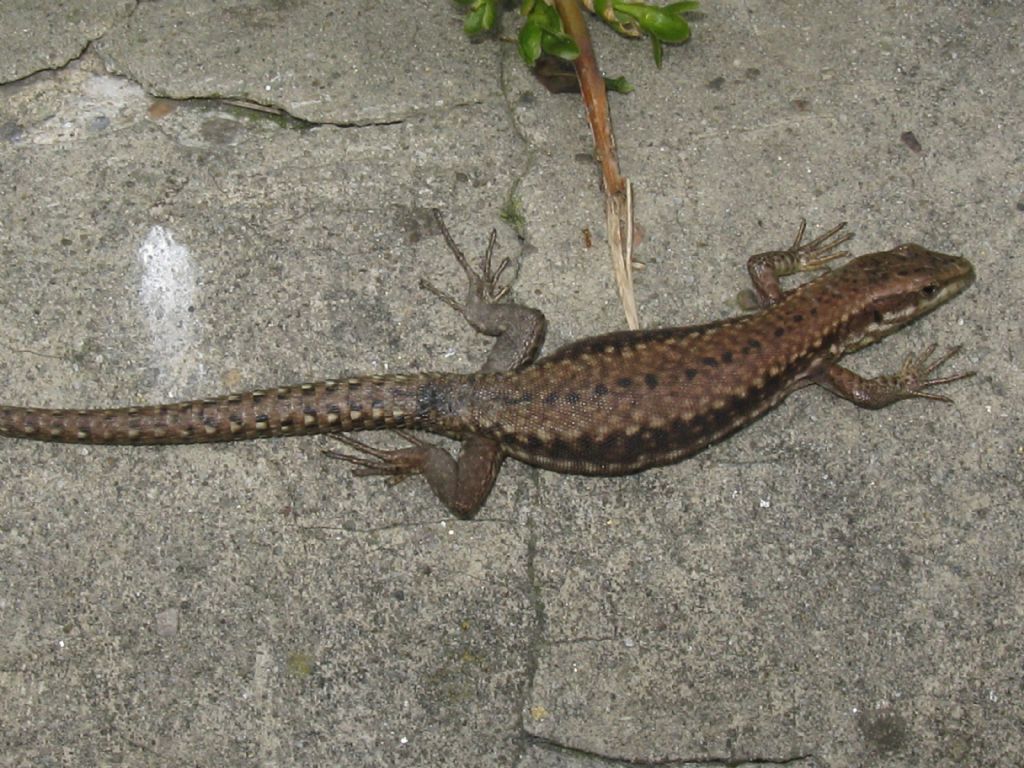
901	285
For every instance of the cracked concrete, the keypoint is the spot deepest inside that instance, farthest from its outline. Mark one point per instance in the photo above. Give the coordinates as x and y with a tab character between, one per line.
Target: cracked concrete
830	588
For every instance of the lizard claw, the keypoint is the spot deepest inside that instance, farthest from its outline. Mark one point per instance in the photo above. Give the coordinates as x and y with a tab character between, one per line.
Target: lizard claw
396	463
483	285
807	257
447	298
912	378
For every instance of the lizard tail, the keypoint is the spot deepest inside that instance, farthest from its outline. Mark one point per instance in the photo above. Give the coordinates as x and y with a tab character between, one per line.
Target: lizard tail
420	401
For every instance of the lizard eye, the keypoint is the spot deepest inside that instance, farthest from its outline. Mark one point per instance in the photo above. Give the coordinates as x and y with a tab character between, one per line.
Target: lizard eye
929	291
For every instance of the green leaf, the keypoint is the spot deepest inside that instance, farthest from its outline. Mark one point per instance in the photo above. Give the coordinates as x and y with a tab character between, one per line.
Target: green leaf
529	43
671	29
604	9
489	15
474	23
481	16
658	51
618	84
561	46
547	18
656	22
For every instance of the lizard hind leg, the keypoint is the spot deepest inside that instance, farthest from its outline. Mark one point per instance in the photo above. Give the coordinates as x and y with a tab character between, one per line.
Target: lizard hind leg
462	486
518	330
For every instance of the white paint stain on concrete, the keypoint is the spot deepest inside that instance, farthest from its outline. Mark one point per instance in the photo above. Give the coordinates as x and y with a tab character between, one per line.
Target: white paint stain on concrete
167	291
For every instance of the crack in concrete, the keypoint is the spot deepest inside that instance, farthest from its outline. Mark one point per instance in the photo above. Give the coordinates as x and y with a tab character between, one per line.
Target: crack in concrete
86	46
511	203
706	761
24	79
237	102
540	625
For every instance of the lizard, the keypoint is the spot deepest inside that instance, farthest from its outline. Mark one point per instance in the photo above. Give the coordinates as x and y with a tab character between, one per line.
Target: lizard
612	404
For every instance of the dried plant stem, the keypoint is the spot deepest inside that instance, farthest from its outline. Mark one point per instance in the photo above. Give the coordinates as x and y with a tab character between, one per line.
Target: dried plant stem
618	198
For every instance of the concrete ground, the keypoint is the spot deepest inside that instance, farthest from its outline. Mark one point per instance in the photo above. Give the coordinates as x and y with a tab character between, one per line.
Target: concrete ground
831	587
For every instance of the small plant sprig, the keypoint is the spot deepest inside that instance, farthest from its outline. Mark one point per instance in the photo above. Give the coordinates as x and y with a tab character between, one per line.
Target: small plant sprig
481	16
663	24
542	32
557	28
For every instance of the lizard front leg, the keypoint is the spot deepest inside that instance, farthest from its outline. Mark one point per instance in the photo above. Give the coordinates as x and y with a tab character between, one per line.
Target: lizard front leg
766	268
462	484
909	382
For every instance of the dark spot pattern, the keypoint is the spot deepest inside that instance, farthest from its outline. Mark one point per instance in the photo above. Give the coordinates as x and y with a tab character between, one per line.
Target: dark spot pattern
428	400
635	444
722	417
681	431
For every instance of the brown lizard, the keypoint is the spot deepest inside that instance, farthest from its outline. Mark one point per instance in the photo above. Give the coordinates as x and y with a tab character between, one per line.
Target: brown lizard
606	405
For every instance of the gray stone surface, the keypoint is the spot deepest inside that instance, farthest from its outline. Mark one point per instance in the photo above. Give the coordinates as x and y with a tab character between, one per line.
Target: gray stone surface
830	588
38	36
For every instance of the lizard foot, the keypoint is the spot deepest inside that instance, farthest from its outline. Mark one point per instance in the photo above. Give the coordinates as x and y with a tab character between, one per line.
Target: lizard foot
398	463
518	329
484	287
766	268
912	378
807	257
